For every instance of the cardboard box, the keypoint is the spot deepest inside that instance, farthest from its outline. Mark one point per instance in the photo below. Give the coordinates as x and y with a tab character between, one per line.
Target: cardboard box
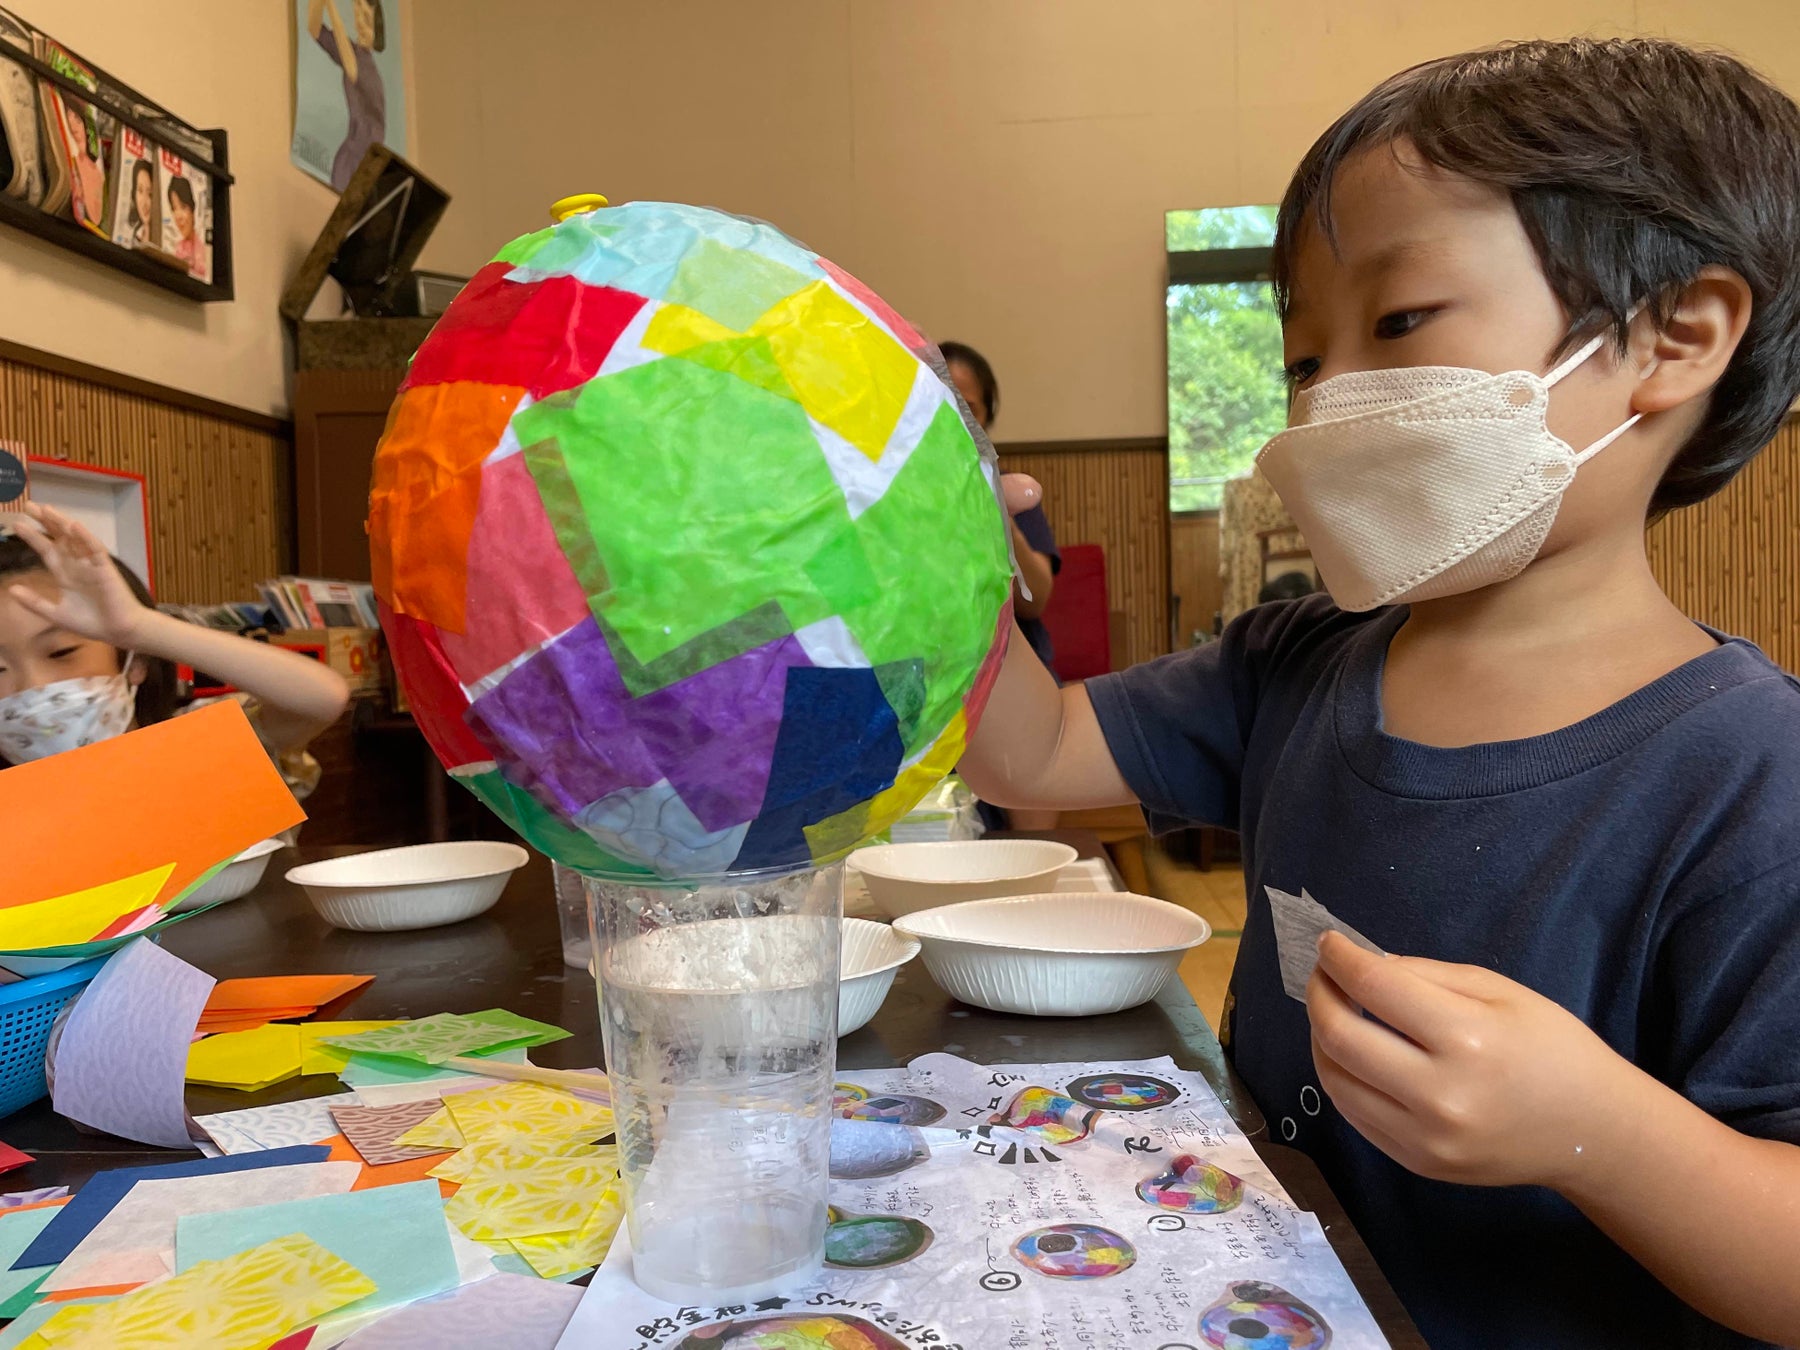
358	654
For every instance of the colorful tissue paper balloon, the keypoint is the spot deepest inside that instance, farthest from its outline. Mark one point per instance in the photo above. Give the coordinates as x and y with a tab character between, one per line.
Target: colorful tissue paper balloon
690	559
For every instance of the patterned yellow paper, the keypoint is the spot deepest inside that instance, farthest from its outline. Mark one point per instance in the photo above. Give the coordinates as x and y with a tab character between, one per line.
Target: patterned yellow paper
558	1254
319	1058
527	1109
243	1301
476	1160
549	1195
437	1130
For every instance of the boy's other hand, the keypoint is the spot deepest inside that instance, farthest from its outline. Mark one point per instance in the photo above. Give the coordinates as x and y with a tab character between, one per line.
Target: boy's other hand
1022	492
1467	1076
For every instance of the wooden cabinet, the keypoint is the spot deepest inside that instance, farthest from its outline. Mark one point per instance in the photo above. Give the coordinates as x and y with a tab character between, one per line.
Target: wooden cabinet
338	418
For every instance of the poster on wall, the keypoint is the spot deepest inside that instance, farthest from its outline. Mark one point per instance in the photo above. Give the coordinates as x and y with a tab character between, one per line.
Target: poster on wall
348	90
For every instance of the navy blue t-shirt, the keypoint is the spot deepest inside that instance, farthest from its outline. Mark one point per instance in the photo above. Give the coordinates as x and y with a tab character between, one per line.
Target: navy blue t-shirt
1641	868
1035	526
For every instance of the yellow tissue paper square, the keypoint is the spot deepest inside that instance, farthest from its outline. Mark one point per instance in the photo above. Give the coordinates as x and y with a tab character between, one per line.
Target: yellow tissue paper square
318	1058
80	916
558	1254
246	1059
476	1160
529	1109
437	1130
246	1300
548	1195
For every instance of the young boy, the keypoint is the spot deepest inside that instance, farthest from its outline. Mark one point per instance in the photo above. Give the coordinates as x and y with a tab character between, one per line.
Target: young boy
1570	1116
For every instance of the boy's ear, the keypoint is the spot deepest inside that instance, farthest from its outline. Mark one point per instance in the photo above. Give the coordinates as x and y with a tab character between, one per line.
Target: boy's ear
1686	357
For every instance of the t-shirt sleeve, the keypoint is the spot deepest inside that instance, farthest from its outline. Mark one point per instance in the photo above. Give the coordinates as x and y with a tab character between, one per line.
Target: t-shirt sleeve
1035	526
1178	726
1732	966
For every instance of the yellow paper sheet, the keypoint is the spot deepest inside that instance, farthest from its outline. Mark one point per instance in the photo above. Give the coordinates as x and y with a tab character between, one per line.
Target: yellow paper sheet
475	1161
437	1130
245	1300
317	1058
549	1195
81	916
529	1109
559	1254
246	1059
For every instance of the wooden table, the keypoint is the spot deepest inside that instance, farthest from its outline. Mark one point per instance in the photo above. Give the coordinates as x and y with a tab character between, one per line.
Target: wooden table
511	957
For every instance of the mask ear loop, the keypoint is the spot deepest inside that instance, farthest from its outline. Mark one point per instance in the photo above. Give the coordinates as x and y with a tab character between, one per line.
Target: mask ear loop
1575	360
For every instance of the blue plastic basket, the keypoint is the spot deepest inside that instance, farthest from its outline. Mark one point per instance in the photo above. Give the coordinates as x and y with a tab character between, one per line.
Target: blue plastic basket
27	1010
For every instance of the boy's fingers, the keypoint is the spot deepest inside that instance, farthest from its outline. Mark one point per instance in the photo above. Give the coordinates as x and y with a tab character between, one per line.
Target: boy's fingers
1368	1050
1408	1002
26	598
1021	491
33	534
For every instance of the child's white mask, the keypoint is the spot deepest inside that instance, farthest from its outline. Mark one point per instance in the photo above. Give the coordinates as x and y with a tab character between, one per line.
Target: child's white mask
65	715
1424	481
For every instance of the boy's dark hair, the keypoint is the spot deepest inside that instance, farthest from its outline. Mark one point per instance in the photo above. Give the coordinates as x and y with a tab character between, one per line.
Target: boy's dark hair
179	187
962	354
158	694
1632	163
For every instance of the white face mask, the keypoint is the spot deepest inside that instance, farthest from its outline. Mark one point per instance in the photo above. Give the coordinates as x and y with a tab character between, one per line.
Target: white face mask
65	715
1424	481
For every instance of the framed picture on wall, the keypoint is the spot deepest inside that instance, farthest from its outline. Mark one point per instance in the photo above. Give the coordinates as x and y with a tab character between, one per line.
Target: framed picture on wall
110	502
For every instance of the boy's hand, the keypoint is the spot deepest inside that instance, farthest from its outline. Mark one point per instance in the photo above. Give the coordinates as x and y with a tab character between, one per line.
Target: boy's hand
95	602
1473	1078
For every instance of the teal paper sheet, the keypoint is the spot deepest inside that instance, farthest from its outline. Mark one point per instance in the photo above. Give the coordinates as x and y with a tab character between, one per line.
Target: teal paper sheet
395	1235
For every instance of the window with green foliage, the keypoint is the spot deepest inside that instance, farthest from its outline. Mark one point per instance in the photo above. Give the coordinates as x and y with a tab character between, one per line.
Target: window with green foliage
1226	394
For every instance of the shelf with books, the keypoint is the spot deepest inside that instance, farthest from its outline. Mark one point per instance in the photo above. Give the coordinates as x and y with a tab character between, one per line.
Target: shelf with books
93	166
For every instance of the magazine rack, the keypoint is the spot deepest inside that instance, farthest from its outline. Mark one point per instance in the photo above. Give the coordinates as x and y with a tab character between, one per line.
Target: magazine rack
66	233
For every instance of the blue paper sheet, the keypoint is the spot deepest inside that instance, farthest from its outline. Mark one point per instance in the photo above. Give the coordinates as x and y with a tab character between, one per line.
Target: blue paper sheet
395	1235
94	1201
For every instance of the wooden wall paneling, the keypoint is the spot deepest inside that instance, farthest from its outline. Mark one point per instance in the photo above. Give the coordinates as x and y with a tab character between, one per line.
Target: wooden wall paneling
1733	561
1115	494
217	480
1194	573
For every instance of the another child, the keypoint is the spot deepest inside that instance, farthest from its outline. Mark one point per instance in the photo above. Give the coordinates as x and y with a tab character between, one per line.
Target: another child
1569	1115
85	656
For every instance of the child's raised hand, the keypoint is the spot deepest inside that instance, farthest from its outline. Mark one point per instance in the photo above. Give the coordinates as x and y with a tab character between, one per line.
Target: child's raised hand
95	602
1468	1076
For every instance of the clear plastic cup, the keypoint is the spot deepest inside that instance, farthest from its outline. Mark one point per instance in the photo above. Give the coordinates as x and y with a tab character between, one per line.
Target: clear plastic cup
572	917
718	1008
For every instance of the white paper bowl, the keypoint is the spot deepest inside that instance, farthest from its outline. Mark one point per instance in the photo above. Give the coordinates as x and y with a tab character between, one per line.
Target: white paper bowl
906	878
235	879
422	886
873	955
1069	955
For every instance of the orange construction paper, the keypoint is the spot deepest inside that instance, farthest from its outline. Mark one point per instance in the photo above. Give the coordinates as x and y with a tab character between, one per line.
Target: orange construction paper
220	1026
199	787
291	994
388	1174
97	1291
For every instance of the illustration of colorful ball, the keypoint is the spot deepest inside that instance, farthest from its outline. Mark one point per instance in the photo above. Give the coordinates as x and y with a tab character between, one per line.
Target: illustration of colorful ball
1124	1091
895	1109
1054	1118
690	558
812	1332
1075	1251
863	1150
1257	1316
1193	1186
871	1241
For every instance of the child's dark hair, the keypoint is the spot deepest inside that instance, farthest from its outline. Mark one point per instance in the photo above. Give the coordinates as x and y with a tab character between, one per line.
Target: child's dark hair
158	693
961	354
1632	163
181	190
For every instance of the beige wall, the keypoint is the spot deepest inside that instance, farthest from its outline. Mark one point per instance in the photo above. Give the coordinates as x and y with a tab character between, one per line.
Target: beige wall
998	170
216	63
